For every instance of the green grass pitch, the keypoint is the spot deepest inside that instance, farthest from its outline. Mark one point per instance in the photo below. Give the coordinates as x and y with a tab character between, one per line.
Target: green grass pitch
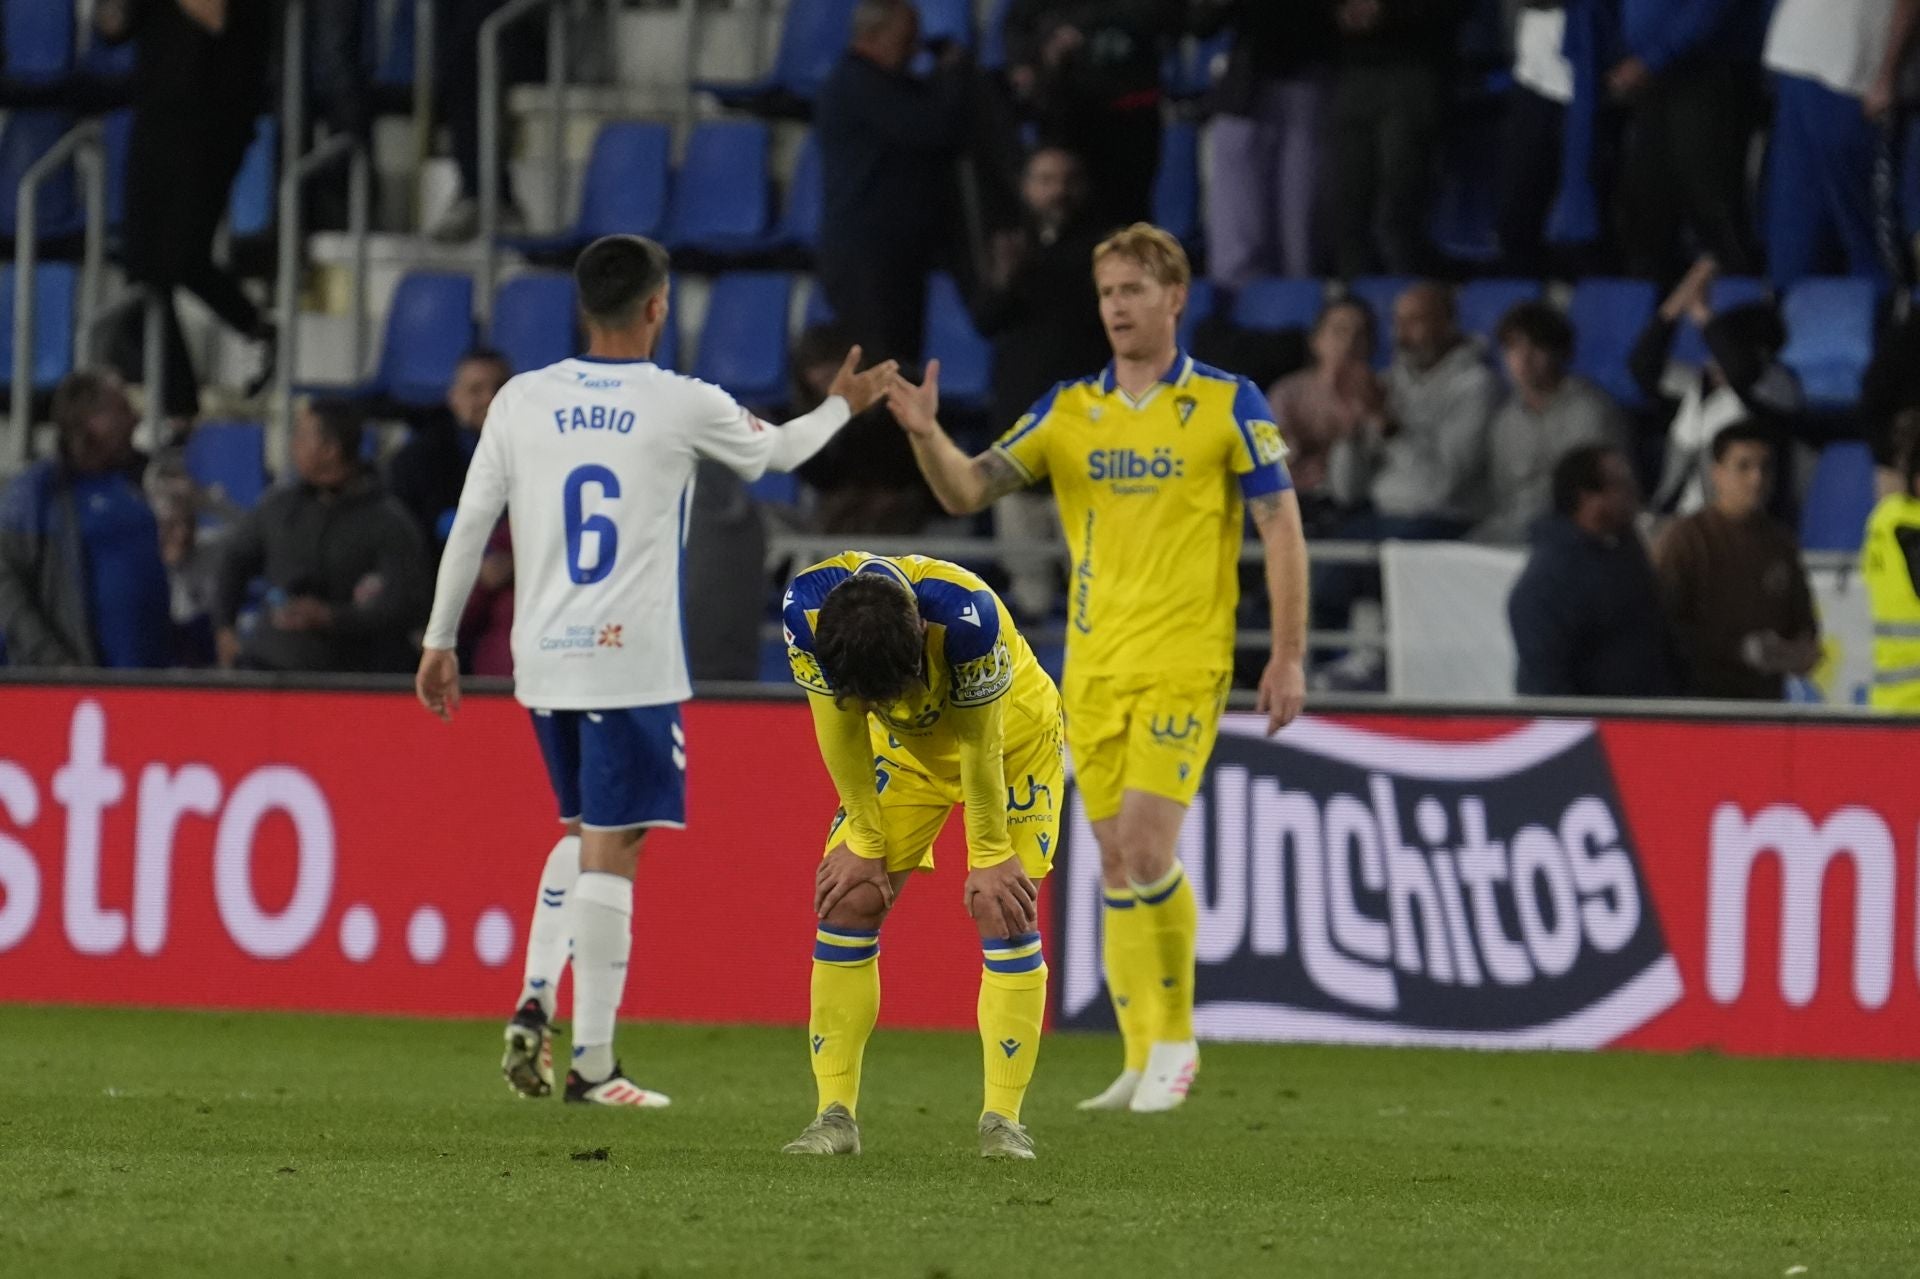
150	1144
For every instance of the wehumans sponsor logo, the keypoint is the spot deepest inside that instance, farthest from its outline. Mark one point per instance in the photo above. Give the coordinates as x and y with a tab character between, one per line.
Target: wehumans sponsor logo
1360	886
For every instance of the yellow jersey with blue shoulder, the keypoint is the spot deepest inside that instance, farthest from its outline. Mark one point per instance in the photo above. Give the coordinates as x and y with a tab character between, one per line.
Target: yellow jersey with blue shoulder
1151	495
983	728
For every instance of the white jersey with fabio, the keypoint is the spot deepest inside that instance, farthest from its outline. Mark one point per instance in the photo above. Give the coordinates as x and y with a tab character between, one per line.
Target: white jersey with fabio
595	460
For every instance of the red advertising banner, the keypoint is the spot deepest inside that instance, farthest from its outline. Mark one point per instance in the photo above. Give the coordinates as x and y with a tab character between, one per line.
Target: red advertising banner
1475	881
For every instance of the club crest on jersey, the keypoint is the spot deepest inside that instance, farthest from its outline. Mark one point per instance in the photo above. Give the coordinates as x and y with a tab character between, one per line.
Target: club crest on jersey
1185	406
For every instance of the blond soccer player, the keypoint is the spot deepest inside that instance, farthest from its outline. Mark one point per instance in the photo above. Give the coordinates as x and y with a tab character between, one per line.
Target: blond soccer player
1156	461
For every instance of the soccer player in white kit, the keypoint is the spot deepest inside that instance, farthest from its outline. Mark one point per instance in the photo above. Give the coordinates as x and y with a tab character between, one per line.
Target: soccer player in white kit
595	457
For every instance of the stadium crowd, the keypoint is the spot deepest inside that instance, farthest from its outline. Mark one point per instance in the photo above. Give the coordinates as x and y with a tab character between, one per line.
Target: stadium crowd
1678	141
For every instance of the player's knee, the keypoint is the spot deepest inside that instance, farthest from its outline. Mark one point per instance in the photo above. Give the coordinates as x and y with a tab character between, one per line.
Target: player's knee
862	910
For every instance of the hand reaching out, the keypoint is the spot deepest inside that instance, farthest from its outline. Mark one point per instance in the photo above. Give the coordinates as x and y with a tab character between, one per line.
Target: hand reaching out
862	391
917	408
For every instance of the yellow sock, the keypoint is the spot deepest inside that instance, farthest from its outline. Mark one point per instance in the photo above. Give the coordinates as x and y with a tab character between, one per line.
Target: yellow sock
1013	1004
1127	955
1171	919
846	1004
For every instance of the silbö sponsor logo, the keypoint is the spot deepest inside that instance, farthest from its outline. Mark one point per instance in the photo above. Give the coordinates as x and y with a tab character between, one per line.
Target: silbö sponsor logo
1361	887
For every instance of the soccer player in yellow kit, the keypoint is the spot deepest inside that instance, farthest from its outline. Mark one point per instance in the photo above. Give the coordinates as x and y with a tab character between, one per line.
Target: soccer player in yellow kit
1154	461
924	696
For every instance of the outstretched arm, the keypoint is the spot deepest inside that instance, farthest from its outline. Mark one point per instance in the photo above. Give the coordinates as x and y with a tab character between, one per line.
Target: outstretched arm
962	484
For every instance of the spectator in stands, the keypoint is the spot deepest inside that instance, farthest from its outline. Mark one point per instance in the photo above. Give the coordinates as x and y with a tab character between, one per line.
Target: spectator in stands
1690	82
1264	144
866	477
486	628
1834	64
81	580
192	564
1388	108
1548	413
348	582
430	469
1427	463
1536	119
1586	613
1331	414
1743	378
1090	71
889	143
200	82
1039	310
1732	584
456	71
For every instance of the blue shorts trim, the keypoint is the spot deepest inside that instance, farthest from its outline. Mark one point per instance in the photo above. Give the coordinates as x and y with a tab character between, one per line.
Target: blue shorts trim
616	769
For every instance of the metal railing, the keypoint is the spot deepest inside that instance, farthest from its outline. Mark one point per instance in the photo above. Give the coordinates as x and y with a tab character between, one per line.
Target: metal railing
341	148
84	147
491	105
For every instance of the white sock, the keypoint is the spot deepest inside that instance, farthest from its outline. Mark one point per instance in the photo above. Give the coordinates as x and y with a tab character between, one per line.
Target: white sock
600	921
547	939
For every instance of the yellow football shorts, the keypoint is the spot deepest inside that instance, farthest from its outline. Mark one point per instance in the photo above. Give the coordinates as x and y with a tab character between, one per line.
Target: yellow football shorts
1149	733
915	804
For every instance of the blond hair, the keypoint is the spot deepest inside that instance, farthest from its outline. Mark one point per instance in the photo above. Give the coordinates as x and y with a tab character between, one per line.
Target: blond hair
1156	251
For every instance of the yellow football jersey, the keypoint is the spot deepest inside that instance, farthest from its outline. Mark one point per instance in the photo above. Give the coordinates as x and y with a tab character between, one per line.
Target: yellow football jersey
974	655
1151	498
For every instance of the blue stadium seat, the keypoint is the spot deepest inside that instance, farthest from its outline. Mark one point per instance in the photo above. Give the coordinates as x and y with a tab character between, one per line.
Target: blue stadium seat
666	353
1379	292
1272	304
229	458
1689	344
28	135
806	201
1176	187
534	322
1483	303
36	37
624	190
55	286
812	38
966	358
949	21
722	193
1839	499
1607	317
108	63
251	205
1203	299
389	54
993	38
1830	338
116	137
743	347
429	327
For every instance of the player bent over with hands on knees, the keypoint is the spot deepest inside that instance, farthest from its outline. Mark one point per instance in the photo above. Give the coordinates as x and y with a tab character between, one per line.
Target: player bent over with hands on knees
596	456
1155	462
924	695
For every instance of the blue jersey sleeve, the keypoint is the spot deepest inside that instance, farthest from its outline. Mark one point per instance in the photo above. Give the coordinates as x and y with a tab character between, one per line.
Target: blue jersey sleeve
798	607
1259	454
976	650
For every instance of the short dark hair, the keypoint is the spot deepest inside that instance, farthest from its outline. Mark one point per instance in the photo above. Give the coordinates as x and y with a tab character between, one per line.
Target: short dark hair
868	638
615	276
1756	325
1369	322
1745	431
342	422
488	355
1539	324
80	395
1580	472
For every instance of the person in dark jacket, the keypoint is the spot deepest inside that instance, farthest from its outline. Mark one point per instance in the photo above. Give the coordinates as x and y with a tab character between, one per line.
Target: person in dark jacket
889	147
1387	113
347	575
82	582
1586	613
429	470
1690	81
200	83
1089	70
1264	149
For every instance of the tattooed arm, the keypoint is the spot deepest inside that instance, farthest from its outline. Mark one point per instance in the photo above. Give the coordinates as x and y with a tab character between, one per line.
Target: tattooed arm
963	484
1283	684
